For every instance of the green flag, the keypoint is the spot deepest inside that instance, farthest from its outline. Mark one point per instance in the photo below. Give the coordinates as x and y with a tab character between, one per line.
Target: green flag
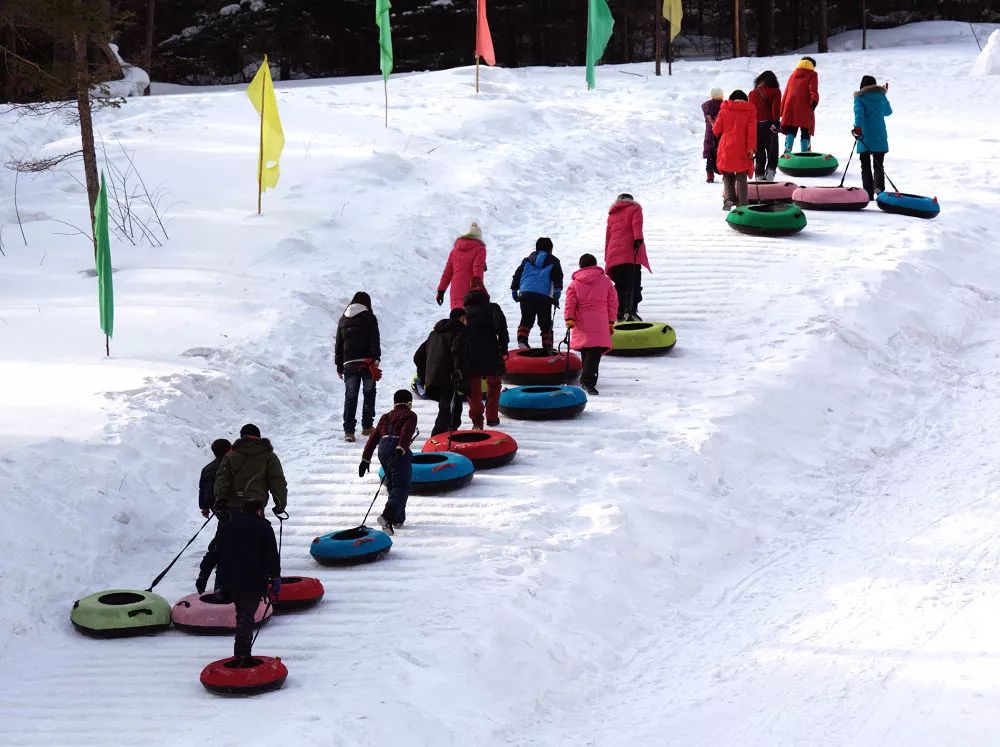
105	290
384	36
600	23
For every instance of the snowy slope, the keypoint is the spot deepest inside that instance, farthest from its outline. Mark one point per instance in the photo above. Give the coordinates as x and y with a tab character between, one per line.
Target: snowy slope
734	545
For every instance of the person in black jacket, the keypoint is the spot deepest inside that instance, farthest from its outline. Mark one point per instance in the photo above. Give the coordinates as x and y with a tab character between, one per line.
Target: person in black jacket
206	498
440	362
249	567
537	285
356	347
486	340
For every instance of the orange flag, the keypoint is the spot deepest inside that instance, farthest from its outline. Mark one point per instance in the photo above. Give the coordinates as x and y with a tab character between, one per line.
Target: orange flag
484	42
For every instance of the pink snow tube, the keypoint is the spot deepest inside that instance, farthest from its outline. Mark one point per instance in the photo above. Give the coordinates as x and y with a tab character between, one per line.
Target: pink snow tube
770	193
830	198
206	613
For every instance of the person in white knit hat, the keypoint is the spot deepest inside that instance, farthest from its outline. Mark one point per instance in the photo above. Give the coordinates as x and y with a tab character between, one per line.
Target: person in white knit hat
467	260
710	145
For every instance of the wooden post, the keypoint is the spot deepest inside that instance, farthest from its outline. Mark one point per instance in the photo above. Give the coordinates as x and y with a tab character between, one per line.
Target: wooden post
864	24
670	49
260	152
658	32
737	31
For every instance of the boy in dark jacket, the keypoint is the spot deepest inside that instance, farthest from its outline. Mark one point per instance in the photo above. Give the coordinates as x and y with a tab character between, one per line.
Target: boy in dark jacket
249	472
440	362
206	498
249	567
393	436
537	285
486	341
357	345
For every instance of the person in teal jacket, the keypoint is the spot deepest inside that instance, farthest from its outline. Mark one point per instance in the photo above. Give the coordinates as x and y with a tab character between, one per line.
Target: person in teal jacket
871	107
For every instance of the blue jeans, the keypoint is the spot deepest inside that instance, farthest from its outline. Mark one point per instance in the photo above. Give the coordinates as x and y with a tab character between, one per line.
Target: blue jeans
353	379
398	473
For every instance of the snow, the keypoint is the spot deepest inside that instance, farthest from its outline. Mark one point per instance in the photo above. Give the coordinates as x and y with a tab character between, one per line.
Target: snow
133	82
911	35
988	61
783	533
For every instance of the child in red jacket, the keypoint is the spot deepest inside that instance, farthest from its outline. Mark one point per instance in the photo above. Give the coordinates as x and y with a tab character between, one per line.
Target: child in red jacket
736	127
591	303
766	98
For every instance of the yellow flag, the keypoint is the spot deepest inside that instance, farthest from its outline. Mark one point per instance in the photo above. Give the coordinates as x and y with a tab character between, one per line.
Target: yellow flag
272	138
673	12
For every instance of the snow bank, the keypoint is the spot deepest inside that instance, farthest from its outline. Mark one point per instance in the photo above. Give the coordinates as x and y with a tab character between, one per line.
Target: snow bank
988	61
918	34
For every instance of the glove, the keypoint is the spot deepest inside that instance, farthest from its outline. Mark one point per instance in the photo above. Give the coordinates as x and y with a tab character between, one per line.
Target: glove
275	587
856	132
440	297
513	294
400	451
611	327
814	104
636	244
363	467
570	324
205	512
774	129
555	298
277	511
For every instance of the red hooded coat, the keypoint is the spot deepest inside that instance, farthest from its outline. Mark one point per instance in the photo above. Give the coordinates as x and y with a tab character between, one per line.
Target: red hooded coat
736	127
624	227
801	93
466	261
592	303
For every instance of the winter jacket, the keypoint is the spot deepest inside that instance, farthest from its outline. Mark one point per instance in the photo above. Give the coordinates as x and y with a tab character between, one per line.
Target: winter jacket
206	485
801	97
248	555
357	336
711	110
871	107
767	102
441	358
539	274
592	303
736	127
400	421
624	227
248	473
486	336
466	261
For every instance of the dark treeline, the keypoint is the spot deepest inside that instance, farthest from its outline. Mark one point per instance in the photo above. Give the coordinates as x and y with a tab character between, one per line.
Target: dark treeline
215	41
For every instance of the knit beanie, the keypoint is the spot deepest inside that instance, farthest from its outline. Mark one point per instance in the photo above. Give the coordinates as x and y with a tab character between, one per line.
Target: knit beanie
867	80
363	298
475	231
402	396
543	244
250	430
717	93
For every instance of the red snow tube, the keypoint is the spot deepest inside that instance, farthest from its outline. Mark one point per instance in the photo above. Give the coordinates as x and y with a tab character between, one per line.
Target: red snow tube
485	449
770	193
208	614
244	675
539	366
298	592
831	198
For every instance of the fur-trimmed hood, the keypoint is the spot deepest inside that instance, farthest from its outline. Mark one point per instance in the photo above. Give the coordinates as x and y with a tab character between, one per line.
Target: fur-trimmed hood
871	89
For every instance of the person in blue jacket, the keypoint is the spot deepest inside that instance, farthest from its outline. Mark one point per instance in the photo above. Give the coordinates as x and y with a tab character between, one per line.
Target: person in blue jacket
537	285
871	107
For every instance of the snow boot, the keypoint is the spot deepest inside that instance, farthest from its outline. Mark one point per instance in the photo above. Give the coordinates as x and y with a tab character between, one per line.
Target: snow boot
590	389
523	345
349	438
806	145
492	423
769	175
367	431
710	178
789	143
728	205
386	525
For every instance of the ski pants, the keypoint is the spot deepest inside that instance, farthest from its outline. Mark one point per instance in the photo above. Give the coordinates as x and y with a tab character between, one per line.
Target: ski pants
591	364
246	607
535	305
628	284
734	187
767	149
789	133
868	181
476	399
398	475
356	378
211	559
449	416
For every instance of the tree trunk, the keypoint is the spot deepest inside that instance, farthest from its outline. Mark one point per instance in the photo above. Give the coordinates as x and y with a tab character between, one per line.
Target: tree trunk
765	28
658	32
824	44
147	52
86	123
864	24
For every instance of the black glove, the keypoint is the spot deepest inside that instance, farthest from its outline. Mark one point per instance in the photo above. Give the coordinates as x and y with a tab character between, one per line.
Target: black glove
400	451
636	244
440	297
363	468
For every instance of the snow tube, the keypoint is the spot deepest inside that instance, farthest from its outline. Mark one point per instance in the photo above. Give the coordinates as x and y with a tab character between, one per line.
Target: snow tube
642	338
207	614
808	164
350	546
116	613
769	193
438	472
831	198
239	675
485	449
297	593
916	206
767	220
536	366
542	402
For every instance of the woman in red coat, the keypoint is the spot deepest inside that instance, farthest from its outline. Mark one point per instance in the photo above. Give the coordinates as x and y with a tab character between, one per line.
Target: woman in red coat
736	127
799	103
766	98
625	254
591	303
467	260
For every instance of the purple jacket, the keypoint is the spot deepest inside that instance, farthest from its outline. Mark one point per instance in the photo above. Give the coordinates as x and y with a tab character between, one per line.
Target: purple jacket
710	109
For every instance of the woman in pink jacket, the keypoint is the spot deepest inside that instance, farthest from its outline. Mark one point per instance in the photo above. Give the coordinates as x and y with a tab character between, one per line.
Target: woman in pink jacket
625	255
466	261
591	305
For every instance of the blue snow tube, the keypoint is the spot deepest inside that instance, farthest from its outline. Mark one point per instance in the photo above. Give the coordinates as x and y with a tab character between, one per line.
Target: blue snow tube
350	546
542	402
916	206
438	472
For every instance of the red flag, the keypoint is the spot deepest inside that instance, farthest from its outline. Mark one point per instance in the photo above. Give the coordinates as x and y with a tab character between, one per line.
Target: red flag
484	42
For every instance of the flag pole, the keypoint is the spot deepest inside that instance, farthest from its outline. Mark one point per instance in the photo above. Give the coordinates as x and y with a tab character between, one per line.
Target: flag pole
477	73
260	152
670	50
385	84
107	346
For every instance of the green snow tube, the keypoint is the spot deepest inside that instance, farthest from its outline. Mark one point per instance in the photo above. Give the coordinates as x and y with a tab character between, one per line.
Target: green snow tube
120	612
642	338
767	220
807	164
